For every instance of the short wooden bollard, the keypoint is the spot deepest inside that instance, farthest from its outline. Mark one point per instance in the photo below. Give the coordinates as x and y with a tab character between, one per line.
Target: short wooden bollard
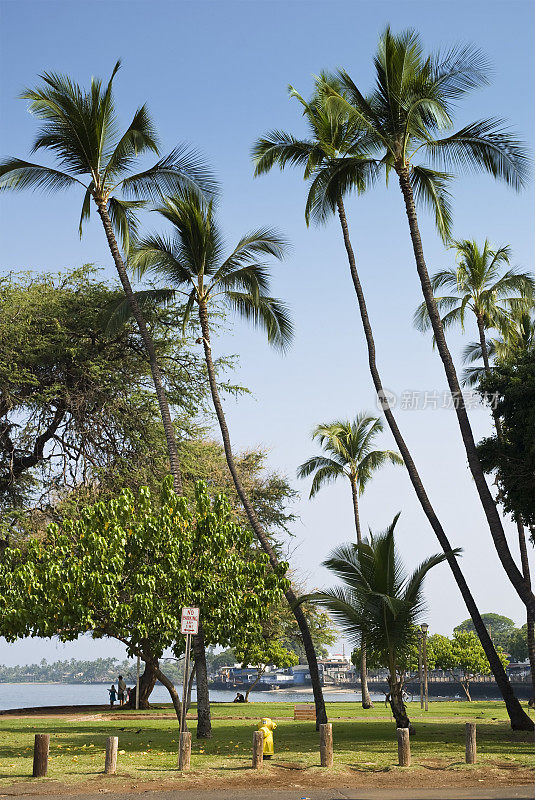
258	749
404	747
326	745
40	754
184	751
110	765
471	748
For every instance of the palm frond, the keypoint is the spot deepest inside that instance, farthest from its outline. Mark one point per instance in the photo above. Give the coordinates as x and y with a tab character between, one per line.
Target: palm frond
485	144
123	218
278	148
429	187
266	312
181	168
18	174
139	137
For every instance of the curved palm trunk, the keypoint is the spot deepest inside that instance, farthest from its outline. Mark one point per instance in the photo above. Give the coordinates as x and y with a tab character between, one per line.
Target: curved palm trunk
172	449
366	700
530	617
519	719
321	714
487	501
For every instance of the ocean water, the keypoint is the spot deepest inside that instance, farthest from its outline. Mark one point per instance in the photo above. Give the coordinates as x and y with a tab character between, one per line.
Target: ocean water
30	695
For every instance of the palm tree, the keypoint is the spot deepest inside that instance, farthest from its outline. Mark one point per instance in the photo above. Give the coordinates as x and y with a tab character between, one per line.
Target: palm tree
494	297
334	165
192	262
378	597
80	129
406	118
498	299
349	445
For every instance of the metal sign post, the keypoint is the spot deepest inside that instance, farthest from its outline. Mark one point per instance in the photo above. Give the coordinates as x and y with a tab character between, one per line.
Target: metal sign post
137	681
190	626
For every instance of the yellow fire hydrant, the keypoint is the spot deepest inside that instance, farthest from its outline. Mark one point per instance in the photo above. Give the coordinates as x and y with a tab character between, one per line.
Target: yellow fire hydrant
267	726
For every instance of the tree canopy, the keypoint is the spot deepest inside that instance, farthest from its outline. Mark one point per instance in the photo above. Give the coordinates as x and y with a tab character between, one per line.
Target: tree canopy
126	567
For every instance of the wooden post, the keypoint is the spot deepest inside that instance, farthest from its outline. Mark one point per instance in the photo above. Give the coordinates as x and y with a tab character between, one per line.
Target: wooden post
404	747
471	749
110	764
258	749
326	745
40	754
184	754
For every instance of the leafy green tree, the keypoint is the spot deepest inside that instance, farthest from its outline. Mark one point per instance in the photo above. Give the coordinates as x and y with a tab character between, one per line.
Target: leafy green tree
377	598
463	657
75	404
80	128
500	628
336	162
348	446
125	569
517	644
406	124
268	650
192	261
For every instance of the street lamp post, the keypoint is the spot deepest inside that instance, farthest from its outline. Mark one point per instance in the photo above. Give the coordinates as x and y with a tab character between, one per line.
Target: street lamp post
424	628
420	673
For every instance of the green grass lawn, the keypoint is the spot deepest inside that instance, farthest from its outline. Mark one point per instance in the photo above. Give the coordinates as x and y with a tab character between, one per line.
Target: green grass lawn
363	741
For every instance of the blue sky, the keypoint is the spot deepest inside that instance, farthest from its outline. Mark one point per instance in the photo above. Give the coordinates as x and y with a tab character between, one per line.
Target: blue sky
215	74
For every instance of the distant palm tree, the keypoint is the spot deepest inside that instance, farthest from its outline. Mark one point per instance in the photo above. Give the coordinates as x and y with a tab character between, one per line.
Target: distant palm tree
481	286
192	262
378	597
517	338
406	126
81	130
349	445
334	161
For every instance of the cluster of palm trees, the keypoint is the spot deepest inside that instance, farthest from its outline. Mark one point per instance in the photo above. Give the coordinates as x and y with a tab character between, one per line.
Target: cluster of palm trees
404	125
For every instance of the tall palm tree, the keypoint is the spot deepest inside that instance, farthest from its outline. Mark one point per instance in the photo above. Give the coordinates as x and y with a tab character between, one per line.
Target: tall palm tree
334	166
192	262
378	597
349	448
498	298
406	118
81	130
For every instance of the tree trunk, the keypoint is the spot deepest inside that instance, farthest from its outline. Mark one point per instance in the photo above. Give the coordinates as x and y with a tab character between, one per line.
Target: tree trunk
487	501
366	700
466	689
204	722
251	687
169	685
519	719
149	346
530	619
321	715
147	683
399	712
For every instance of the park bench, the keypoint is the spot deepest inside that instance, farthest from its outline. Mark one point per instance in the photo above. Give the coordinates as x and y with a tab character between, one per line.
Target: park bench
304	711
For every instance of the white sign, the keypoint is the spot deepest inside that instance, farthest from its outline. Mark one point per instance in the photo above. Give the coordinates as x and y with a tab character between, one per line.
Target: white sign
190	621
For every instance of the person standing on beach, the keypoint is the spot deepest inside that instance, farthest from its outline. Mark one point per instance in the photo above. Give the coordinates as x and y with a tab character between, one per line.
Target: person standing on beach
113	695
121	685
